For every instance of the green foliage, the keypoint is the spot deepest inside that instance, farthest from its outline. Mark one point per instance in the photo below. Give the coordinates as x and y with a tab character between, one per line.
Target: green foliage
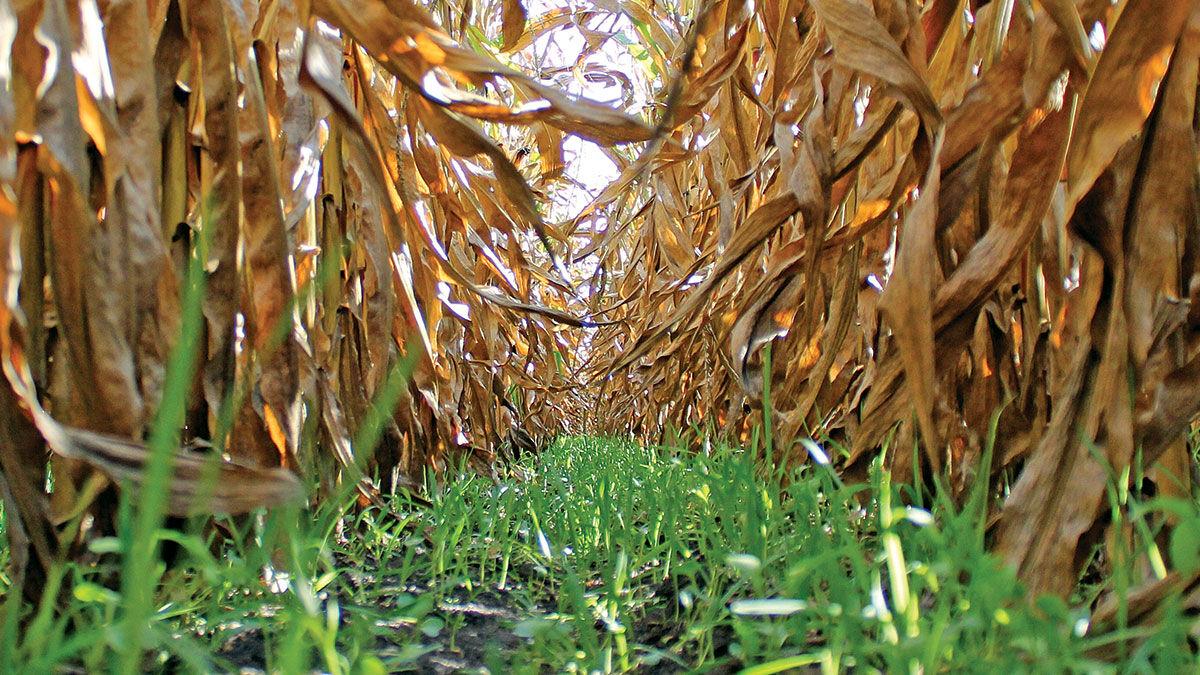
599	555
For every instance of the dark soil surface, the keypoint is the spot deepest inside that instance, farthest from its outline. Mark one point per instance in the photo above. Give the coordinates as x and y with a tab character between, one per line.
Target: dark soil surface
483	641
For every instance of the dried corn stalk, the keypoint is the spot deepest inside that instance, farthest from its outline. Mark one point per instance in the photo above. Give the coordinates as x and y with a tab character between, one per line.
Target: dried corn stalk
929	210
336	169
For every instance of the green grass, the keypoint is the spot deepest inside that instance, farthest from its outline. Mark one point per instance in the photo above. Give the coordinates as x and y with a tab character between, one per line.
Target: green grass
599	555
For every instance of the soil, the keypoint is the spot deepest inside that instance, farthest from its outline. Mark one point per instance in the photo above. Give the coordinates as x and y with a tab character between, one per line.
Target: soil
485	628
486	632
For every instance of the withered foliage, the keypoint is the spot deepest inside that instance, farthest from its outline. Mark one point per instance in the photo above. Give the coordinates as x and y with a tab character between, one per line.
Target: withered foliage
929	210
328	165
